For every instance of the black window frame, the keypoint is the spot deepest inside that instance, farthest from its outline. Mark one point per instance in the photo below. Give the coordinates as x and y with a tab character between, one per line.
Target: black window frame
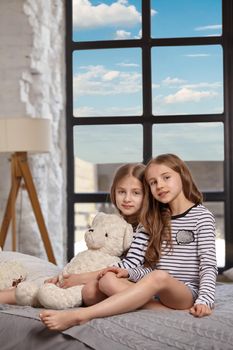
147	120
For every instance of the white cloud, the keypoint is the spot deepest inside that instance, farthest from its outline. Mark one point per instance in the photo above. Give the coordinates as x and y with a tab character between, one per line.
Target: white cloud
87	111
84	111
213	34
209	27
113	74
202	85
118	13
122	34
156	86
153	12
125	64
139	35
197	55
172	81
177	81
188	95
97	80
136	110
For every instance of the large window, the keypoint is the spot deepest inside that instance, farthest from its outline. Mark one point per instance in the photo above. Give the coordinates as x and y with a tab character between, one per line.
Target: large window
144	78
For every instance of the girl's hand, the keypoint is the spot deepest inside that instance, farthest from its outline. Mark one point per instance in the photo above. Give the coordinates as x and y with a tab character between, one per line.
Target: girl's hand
53	280
70	280
200	310
117	270
74	279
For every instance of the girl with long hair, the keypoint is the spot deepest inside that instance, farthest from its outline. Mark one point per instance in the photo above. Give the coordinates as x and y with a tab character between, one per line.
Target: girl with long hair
180	263
126	194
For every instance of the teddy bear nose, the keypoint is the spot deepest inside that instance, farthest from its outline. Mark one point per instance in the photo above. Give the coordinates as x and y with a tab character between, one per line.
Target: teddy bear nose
91	230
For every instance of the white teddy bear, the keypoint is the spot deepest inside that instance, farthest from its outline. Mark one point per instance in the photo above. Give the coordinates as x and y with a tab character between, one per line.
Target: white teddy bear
107	239
11	274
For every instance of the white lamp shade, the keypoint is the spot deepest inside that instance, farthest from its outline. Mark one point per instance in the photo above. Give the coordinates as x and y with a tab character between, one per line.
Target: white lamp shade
25	135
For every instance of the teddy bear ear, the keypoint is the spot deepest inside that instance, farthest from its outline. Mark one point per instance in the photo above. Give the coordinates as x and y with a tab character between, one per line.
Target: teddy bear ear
98	216
128	236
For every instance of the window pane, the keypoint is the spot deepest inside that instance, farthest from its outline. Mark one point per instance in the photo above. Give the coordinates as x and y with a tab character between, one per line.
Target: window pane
187	80
107	82
106	20
182	18
84	213
103	144
105	175
217	208
200	144
208	174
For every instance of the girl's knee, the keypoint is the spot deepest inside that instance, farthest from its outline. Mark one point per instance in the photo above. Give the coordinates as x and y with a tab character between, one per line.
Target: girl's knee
106	280
107	284
158	276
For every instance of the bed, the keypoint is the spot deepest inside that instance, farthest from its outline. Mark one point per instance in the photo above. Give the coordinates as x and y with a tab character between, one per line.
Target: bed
21	328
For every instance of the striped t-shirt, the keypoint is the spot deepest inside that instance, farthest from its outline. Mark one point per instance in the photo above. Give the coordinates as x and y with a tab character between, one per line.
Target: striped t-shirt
192	258
136	253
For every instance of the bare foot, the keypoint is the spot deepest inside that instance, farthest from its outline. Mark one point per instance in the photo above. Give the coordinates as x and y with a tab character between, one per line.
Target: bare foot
61	320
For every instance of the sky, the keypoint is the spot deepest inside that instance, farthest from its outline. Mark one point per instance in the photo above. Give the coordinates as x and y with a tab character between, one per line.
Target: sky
185	80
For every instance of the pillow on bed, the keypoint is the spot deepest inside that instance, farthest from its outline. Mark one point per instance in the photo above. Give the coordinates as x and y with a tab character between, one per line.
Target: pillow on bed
229	273
38	269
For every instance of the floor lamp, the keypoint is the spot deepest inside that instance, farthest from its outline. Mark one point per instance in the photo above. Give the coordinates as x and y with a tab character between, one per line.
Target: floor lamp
20	136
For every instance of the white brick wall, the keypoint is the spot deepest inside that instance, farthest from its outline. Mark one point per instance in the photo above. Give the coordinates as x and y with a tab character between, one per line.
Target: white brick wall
32	69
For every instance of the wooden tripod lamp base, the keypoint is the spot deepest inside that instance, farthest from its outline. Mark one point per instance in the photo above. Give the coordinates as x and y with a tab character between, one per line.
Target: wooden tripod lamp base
20	171
19	136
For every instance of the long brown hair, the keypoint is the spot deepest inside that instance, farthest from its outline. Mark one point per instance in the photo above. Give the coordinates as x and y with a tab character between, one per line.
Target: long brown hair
156	217
134	169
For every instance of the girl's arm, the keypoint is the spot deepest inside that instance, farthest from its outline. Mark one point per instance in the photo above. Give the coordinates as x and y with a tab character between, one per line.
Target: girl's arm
53	280
136	253
208	265
137	273
119	272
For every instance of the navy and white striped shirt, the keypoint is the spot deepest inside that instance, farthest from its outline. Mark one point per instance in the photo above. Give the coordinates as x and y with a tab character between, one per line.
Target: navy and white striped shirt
136	253
192	259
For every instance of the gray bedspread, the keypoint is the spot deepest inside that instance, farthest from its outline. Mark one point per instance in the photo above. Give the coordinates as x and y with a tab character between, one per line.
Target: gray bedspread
21	329
139	330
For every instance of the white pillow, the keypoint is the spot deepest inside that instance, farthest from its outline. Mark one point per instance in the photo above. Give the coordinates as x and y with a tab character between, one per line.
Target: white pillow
37	269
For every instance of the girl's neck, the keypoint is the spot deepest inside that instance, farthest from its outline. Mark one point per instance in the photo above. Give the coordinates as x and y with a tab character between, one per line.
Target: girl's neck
180	205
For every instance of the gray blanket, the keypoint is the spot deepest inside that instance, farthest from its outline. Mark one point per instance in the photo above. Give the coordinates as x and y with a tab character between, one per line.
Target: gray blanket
139	330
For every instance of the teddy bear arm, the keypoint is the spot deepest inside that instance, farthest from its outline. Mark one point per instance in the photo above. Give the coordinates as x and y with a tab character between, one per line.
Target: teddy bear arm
52	297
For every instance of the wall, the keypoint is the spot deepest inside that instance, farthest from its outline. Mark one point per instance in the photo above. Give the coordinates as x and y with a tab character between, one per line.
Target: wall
32	84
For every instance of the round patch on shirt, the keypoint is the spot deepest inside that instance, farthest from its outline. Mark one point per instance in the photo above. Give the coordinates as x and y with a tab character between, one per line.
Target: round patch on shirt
184	237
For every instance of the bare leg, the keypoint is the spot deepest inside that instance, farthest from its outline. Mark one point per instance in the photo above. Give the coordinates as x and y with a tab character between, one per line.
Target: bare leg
7	296
95	291
91	293
154	305
173	294
109	284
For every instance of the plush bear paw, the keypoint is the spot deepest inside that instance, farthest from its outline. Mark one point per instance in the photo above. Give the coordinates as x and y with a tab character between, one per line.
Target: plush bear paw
52	297
26	294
